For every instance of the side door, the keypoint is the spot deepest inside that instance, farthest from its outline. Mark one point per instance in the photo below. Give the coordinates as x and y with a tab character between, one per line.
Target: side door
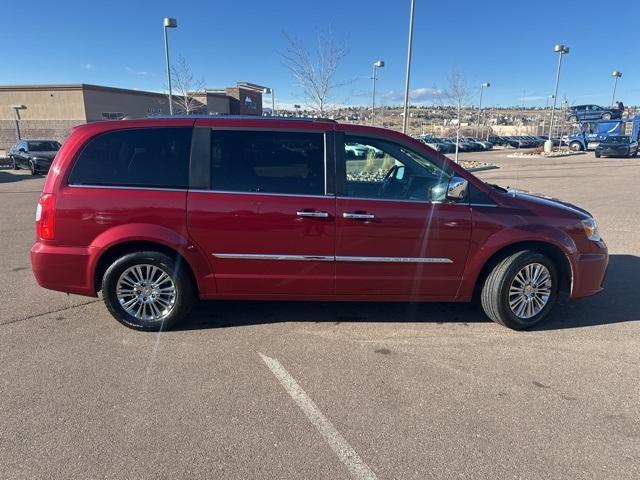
263	209
396	237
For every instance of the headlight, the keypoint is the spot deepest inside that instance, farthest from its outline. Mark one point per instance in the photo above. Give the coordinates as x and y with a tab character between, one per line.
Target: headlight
590	227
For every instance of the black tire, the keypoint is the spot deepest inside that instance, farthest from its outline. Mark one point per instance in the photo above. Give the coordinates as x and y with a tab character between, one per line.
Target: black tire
597	154
32	168
15	165
177	272
573	119
575	146
495	291
606	116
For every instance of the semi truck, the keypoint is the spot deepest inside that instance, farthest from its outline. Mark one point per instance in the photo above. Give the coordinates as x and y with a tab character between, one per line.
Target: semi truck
589	134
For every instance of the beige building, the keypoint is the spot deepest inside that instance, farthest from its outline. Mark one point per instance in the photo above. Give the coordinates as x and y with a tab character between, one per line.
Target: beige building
50	111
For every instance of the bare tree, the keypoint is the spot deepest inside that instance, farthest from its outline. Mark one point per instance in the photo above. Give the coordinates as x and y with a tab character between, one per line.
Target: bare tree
457	93
315	70
185	85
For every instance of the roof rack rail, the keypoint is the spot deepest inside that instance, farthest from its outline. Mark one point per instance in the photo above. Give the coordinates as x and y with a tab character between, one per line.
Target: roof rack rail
233	117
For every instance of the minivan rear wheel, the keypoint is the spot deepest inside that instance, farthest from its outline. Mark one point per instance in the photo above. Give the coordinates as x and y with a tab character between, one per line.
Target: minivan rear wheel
148	291
520	290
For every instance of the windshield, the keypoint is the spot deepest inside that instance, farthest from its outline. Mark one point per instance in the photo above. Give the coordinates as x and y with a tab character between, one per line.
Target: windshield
44	146
617	139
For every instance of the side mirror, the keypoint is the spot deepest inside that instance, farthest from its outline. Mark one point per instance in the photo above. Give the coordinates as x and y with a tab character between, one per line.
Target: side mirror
457	188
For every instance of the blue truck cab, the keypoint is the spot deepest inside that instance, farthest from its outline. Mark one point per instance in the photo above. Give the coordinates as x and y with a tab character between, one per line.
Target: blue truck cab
589	134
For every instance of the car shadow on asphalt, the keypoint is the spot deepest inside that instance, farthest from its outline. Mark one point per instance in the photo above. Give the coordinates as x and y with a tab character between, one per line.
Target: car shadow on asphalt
9	175
619	302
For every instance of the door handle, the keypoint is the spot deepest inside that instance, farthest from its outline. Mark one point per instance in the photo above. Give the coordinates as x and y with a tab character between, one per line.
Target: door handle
358	216
312	214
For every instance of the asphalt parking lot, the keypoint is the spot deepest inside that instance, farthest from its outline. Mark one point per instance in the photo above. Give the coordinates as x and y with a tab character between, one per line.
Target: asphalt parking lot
318	390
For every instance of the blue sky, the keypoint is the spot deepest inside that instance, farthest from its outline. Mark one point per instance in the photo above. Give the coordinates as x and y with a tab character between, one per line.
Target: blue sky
507	43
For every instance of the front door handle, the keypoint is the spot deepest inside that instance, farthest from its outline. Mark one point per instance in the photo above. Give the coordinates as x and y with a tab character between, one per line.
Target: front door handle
312	214
358	216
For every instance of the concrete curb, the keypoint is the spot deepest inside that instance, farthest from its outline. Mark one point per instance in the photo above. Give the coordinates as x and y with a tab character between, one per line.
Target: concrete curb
481	169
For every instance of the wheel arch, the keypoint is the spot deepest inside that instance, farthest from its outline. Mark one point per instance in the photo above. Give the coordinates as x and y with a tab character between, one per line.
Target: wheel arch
555	253
112	253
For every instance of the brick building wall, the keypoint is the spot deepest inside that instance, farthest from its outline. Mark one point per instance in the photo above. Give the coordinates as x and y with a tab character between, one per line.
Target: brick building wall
53	129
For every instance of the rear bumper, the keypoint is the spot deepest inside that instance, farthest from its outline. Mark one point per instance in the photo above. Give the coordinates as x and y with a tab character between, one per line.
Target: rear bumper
66	269
589	275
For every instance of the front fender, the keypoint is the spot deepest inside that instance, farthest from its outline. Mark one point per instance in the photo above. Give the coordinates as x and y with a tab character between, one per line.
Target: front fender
141	232
482	251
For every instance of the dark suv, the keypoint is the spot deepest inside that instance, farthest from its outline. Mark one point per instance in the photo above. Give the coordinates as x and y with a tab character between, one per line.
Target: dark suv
36	155
579	113
156	213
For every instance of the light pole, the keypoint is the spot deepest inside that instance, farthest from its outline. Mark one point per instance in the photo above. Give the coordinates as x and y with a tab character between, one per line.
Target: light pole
546	106
482	87
16	109
561	50
168	23
406	87
616	75
273	99
378	64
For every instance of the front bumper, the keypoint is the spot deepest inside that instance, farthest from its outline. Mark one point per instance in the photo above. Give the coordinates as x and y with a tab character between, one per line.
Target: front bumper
589	272
614	152
65	269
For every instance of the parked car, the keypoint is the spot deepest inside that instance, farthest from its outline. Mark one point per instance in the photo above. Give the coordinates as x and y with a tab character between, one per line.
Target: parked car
159	212
464	145
484	144
36	155
436	144
617	146
579	113
504	141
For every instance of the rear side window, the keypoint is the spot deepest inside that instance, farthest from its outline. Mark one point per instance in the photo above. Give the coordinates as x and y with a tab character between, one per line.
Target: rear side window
149	157
269	162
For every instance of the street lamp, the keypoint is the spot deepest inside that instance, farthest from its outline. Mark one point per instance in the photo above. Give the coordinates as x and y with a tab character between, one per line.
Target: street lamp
616	74
378	64
561	50
270	91
482	87
168	23
544	116
16	109
406	87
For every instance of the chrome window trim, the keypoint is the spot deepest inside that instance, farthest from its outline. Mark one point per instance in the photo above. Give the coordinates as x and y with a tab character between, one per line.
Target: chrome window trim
199	190
482	205
329	258
425	202
123	187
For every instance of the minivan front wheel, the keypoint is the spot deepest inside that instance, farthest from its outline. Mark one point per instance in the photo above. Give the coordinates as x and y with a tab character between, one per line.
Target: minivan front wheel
148	291
520	290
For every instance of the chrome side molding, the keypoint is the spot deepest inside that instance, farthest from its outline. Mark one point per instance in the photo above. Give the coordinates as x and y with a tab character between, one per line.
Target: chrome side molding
329	258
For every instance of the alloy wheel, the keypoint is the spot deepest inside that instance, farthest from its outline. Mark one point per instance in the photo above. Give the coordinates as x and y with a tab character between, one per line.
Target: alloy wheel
146	292
530	291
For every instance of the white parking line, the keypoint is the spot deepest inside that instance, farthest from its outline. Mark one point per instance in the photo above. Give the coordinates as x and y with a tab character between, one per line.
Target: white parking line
338	444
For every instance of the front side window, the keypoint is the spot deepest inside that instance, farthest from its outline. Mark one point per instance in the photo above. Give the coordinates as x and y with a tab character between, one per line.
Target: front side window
267	162
145	157
383	170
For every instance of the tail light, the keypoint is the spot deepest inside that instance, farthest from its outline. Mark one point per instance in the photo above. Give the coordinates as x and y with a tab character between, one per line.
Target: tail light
45	217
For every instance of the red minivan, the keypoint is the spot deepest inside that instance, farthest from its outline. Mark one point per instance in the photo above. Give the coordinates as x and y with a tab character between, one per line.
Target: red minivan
158	212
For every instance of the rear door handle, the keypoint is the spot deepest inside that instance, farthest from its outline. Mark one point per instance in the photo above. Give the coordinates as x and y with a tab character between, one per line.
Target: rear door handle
312	214
358	216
